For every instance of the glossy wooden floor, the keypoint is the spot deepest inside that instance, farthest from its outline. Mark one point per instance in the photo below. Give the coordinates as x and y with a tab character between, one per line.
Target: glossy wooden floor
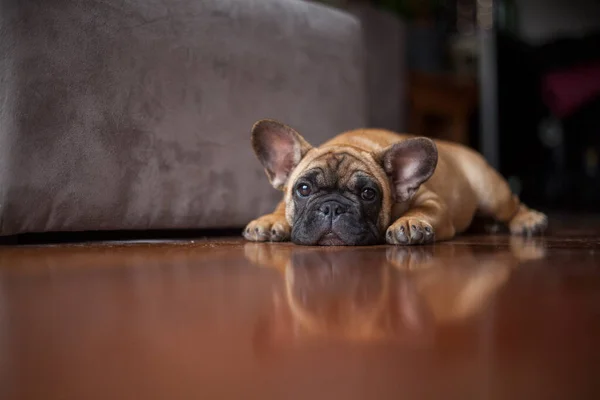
482	317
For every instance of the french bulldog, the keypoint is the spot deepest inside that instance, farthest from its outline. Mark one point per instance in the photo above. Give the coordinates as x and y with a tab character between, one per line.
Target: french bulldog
370	186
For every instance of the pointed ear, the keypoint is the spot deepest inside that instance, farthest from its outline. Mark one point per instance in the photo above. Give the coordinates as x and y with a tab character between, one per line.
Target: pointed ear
409	164
279	148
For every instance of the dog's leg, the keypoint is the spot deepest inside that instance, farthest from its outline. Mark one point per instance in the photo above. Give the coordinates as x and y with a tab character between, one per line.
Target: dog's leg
497	200
271	227
426	221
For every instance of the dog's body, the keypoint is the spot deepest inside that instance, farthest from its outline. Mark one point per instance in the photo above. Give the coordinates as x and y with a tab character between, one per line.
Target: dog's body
424	190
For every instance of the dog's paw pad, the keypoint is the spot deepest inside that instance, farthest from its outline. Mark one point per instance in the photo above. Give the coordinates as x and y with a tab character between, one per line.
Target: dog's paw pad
409	231
528	223
269	228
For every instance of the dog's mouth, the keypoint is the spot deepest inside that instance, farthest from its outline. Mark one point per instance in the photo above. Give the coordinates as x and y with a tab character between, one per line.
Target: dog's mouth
330	239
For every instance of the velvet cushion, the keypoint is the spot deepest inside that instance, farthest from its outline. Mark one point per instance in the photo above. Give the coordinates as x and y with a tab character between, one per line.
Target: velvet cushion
135	114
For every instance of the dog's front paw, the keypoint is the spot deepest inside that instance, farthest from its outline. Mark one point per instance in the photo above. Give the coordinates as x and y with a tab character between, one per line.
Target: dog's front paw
268	228
528	222
410	231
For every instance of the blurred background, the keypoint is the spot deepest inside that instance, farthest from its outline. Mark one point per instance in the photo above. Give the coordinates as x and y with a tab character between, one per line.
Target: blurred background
519	80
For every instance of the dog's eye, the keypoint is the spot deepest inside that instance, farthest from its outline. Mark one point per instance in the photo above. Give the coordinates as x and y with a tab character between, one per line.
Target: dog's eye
368	194
303	190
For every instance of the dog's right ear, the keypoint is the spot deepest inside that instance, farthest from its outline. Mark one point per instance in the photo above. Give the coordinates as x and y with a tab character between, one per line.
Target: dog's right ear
279	148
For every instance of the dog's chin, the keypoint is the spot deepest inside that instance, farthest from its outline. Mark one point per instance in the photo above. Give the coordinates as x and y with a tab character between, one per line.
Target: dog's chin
331	239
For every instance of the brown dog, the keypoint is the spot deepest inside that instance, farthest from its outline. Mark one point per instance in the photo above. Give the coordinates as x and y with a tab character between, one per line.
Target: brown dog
368	186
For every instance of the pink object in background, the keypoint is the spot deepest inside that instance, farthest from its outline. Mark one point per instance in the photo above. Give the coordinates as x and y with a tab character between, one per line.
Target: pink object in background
566	90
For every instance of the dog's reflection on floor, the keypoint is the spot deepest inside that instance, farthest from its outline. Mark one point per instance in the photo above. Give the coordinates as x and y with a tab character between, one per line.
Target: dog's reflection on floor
371	294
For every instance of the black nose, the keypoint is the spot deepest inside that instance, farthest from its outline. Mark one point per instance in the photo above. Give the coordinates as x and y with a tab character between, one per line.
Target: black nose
332	208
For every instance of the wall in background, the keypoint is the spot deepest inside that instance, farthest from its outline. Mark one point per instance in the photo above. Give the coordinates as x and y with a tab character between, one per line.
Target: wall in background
543	20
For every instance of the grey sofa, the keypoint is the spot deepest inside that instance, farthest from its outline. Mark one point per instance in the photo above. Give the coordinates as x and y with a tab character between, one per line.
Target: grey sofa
135	114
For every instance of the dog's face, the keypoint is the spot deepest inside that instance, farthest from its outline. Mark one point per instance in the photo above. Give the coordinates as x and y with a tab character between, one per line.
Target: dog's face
336	198
340	195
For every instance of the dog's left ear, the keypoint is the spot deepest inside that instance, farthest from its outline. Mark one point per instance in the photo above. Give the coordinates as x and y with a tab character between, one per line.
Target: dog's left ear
409	164
279	148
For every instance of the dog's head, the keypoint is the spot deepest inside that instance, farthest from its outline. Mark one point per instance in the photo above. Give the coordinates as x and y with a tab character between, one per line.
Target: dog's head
340	194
